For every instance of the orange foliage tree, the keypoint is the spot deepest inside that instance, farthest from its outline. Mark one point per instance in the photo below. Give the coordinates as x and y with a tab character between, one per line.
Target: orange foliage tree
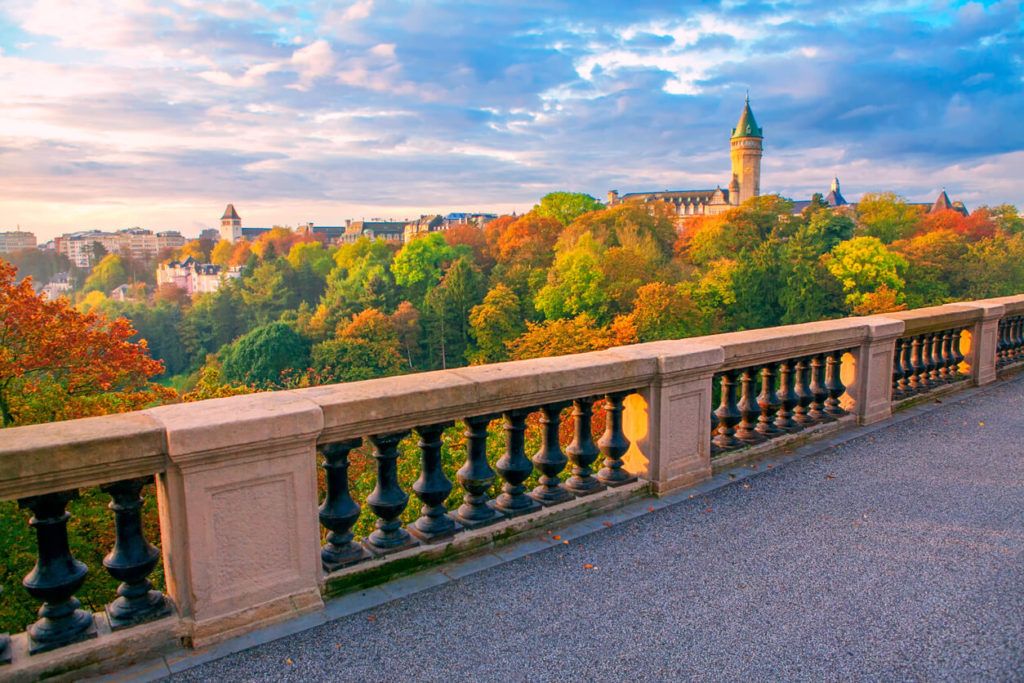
58	364
529	240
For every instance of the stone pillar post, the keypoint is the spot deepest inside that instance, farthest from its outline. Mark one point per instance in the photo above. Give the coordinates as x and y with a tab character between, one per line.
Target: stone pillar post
669	421
984	335
238	512
871	388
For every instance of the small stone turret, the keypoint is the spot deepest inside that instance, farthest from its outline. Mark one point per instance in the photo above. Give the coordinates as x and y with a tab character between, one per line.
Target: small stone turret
746	143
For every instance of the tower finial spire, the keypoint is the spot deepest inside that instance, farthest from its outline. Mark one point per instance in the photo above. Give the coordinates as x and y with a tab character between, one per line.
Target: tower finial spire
748	95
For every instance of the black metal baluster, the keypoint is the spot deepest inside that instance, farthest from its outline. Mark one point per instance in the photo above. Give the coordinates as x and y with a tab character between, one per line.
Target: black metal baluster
769	402
907	365
549	459
958	356
583	452
801	413
132	559
934	358
819	390
339	513
613	444
1015	335
388	500
946	353
899	378
788	396
919	380
5	644
750	412
834	383
476	476
56	576
728	414
515	468
432	488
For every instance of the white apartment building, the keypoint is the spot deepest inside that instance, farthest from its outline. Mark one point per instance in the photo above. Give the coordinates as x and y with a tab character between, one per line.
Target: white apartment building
16	241
134	242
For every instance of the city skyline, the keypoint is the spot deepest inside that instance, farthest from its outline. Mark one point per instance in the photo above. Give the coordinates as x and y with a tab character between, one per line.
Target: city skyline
158	114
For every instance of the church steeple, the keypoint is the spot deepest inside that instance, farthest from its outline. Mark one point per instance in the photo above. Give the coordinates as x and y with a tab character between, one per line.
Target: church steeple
746	144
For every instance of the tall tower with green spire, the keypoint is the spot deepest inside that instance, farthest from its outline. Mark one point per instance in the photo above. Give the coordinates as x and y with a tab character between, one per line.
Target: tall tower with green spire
746	157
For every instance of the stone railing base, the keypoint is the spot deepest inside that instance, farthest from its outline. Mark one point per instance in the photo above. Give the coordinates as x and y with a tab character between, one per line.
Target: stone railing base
110	651
781	444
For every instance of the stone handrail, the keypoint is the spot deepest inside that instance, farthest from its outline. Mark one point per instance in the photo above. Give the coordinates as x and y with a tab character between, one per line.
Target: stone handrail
237	477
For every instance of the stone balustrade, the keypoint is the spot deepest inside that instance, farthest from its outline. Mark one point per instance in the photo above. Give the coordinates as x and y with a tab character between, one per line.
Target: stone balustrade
247	540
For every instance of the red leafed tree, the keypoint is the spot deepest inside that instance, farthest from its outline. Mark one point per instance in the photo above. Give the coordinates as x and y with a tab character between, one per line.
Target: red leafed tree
58	364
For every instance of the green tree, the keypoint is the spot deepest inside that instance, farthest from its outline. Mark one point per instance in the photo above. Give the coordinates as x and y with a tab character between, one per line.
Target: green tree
448	305
421	263
263	356
995	266
575	283
108	274
265	293
565	207
493	323
862	265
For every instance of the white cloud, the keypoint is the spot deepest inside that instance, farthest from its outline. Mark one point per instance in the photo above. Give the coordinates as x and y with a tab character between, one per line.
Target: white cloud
316	60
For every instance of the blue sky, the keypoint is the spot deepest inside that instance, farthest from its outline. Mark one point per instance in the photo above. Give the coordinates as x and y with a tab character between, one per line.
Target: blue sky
159	112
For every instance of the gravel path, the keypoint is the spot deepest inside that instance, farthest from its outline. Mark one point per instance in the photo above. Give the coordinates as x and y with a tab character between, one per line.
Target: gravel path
898	555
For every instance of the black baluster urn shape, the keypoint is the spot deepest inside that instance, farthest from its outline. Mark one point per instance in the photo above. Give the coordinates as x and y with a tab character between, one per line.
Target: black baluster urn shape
388	500
907	366
834	383
613	444
132	559
549	459
958	356
946	354
819	390
432	488
788	397
515	468
583	452
750	411
919	379
899	379
56	576
934	346
5	644
728	413
803	393
1015	338
769	402
339	512
476	476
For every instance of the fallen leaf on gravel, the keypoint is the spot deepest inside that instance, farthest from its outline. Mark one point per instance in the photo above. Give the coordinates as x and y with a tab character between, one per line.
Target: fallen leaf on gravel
287	661
565	542
981	424
771	466
856	523
871	438
650	509
557	538
588	566
830	476
607	523
746	486
371	618
789	451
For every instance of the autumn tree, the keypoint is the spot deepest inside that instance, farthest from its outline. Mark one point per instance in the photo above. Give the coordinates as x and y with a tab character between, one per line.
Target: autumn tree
887	216
575	283
529	240
864	264
406	320
565	207
57	363
663	311
366	347
108	274
563	336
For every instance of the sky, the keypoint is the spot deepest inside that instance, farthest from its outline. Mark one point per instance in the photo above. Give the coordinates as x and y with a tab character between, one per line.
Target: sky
157	113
